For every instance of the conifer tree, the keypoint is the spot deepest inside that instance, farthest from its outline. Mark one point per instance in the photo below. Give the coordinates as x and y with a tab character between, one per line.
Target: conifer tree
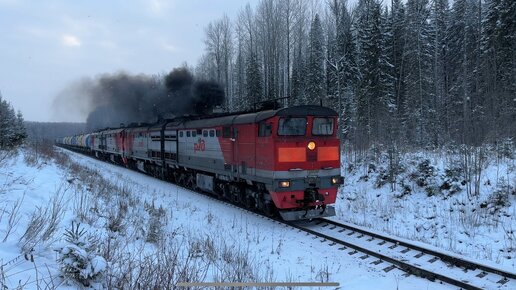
315	69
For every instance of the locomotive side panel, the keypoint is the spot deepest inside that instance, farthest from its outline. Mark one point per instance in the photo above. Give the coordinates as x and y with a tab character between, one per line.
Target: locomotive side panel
245	149
200	149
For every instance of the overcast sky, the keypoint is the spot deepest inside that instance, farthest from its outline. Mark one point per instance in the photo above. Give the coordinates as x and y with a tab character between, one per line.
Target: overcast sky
46	45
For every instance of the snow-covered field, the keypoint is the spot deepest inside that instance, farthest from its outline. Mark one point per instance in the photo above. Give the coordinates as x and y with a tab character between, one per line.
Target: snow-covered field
153	233
429	202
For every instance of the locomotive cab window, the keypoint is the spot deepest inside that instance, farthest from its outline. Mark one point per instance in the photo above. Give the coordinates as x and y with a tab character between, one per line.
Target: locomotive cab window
264	129
212	133
292	126
322	126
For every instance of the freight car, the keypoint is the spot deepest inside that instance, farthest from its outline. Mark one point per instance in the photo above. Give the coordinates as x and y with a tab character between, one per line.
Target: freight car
284	161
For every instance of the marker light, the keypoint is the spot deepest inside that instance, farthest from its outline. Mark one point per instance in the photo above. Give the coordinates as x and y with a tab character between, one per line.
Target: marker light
311	145
337	180
284	184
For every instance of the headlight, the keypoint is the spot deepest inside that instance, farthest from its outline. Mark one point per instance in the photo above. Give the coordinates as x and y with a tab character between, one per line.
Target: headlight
337	180
311	145
284	184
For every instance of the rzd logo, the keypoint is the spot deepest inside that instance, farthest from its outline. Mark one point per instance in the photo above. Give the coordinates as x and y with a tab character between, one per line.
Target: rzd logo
199	146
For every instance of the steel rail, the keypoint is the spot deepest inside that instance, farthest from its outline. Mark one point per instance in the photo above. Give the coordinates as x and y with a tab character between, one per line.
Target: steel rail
404	266
457	261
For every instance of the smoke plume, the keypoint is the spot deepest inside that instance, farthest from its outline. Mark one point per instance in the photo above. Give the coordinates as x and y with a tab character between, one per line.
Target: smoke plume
115	99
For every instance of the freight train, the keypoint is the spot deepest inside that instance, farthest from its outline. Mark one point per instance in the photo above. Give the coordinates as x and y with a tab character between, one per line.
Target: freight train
284	161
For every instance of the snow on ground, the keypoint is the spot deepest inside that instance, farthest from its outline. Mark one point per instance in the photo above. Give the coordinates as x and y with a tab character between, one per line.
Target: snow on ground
422	207
137	220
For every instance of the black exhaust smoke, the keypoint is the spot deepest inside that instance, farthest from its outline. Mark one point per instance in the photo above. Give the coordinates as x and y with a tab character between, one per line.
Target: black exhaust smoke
113	99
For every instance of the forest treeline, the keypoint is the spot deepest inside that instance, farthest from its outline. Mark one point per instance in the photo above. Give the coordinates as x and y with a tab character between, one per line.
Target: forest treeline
413	73
49	131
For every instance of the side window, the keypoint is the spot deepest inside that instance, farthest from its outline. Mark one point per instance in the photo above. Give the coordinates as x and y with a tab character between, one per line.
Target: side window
264	129
212	133
187	133
226	132
199	131
217	133
180	133
194	133
205	133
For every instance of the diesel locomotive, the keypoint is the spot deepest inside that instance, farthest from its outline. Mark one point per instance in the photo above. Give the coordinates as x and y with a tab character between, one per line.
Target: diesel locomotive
284	161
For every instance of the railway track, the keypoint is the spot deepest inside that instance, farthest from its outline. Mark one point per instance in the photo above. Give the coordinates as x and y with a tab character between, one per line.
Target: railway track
389	253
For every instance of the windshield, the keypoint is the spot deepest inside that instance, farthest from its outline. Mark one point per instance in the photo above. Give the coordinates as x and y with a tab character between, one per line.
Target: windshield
322	126
292	127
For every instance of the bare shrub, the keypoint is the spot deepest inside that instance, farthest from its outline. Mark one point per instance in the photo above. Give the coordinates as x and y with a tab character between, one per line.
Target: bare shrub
116	217
156	223
163	268
235	265
44	221
5	156
13	217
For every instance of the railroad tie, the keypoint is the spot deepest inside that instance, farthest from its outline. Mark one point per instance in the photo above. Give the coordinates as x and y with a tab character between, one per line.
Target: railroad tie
340	231
377	262
382	243
419	255
351	233
353	252
405	251
364	257
481	274
503	281
388	269
433	259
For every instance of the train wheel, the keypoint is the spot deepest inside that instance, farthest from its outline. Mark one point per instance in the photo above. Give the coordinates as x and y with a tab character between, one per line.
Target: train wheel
249	202
269	209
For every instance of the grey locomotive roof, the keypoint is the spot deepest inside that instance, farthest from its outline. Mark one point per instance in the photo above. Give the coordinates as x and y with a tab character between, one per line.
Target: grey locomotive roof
249	118
234	119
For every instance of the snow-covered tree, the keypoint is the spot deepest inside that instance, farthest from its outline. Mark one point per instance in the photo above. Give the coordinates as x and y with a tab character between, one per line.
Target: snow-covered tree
78	259
418	72
315	67
254	80
12	128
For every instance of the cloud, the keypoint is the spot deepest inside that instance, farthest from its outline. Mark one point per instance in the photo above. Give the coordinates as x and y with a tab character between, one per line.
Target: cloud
160	7
70	40
170	47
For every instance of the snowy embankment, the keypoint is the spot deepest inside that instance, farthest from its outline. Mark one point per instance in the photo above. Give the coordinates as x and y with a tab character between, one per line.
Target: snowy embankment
151	233
430	200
